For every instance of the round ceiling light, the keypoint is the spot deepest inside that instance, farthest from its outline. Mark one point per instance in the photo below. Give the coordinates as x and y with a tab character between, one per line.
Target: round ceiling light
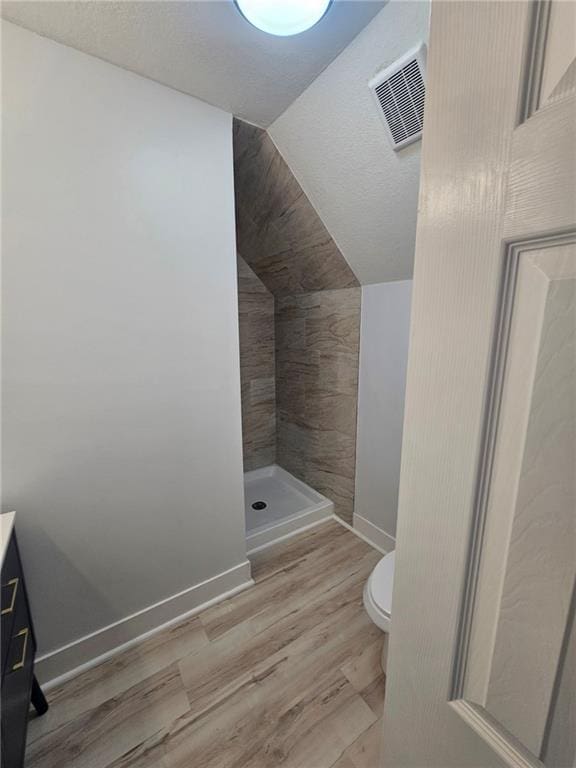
283	17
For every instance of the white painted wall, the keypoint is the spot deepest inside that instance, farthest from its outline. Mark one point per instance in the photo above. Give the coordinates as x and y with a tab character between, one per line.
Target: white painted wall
336	145
382	383
122	437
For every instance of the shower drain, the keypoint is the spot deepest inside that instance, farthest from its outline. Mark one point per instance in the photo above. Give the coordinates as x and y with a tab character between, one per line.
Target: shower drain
259	505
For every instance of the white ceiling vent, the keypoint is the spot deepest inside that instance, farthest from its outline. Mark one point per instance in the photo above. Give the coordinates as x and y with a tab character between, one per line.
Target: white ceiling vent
399	94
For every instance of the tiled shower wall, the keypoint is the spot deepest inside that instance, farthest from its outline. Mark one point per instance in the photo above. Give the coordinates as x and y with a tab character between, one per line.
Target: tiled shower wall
317	327
317	344
257	370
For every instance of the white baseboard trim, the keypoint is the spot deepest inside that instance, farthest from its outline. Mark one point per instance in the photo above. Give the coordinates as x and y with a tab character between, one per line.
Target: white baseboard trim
373	534
64	663
356	532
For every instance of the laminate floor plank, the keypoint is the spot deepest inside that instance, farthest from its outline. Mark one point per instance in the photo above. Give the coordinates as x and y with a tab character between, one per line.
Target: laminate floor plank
287	589
225	663
116	675
374	695
148	754
364	669
281	556
253	707
345	762
284	674
261	728
364	751
101	735
319	729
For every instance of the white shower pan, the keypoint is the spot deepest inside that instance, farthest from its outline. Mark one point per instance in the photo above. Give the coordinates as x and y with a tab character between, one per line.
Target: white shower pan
290	505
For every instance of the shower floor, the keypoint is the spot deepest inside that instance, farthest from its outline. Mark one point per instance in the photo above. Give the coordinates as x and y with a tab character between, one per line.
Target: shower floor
290	505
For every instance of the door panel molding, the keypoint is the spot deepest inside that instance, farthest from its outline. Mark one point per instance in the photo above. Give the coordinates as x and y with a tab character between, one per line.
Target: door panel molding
465	698
503	743
535	59
546	80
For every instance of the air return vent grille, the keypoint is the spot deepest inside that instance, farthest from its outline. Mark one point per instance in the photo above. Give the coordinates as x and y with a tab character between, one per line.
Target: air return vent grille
399	94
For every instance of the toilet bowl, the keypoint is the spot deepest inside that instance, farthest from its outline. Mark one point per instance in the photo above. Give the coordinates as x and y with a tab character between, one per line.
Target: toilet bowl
378	598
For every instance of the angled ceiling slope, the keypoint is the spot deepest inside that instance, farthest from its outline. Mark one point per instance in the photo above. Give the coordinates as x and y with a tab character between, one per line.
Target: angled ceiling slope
278	232
333	139
203	48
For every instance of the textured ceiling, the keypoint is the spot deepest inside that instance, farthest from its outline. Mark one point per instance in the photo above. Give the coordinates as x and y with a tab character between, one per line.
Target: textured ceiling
336	145
202	48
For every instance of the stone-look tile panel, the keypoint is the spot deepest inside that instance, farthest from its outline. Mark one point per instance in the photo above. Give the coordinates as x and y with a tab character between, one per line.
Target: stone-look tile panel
317	346
257	370
278	231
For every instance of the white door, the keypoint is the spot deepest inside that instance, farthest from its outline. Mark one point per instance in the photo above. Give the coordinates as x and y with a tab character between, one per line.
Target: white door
482	650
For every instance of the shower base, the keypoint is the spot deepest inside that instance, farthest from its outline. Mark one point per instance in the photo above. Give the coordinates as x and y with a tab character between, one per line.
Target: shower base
290	505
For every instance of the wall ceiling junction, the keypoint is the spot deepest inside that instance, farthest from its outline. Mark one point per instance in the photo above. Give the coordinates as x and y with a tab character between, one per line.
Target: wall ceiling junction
201	47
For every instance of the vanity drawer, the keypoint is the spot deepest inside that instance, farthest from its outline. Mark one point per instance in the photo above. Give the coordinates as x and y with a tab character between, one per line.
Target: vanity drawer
13	599
16	688
21	642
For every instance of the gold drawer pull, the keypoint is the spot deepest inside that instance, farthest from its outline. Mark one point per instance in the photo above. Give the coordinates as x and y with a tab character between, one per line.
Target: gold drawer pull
14	584
23	633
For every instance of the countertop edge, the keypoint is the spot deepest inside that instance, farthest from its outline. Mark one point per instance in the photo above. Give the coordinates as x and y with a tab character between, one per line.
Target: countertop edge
6	527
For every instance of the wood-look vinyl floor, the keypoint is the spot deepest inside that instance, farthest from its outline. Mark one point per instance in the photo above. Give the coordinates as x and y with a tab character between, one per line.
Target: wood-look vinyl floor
286	673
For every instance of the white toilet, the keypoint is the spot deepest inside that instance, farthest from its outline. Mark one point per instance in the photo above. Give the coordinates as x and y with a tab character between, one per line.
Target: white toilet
378	598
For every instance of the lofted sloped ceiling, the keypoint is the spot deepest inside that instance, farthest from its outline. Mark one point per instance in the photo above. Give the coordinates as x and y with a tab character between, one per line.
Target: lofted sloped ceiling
201	47
278	232
333	139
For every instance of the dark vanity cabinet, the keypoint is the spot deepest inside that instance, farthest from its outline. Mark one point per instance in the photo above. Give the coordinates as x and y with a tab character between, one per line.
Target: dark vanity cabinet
19	685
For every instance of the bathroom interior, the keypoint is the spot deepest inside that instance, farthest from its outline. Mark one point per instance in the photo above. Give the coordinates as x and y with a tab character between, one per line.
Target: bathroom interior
209	236
299	319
